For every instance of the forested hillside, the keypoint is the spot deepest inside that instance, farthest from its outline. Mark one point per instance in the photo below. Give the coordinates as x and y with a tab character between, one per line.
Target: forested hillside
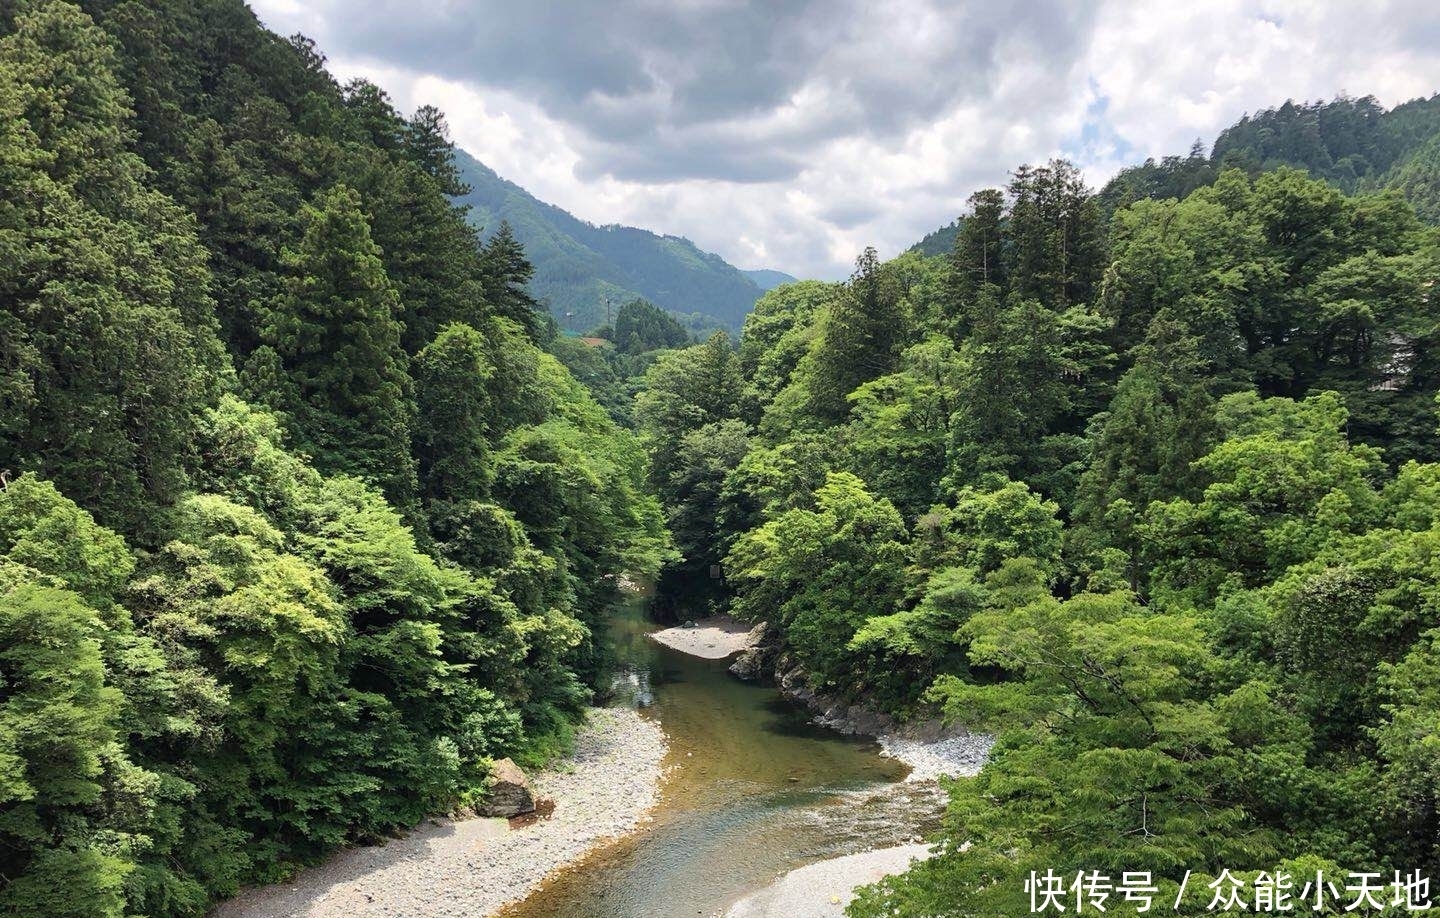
1355	144
300	526
766	279
1152	497
940	241
578	265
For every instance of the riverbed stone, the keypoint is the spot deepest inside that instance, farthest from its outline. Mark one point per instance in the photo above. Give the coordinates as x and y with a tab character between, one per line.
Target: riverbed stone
757	661
510	793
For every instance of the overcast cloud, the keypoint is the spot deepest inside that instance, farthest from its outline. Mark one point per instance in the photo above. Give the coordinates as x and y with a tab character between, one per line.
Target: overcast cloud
790	134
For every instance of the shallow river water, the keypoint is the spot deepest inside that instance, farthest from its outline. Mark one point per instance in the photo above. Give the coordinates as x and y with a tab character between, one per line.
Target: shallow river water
752	790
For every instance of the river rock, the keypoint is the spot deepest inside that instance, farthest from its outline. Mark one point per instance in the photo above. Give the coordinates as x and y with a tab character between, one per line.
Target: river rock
757	660
794	680
510	793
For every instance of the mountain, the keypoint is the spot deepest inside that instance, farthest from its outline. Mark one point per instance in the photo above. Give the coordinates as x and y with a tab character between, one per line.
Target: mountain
579	266
766	279
1355	144
940	241
1352	143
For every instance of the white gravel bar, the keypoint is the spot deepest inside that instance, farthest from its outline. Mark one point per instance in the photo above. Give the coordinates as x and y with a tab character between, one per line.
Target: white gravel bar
953	757
472	868
822	890
713	638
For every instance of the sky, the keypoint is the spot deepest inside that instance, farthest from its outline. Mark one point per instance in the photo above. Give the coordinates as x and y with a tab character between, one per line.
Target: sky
790	134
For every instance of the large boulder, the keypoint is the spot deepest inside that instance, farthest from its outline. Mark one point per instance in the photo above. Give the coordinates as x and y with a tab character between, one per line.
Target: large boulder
757	660
510	793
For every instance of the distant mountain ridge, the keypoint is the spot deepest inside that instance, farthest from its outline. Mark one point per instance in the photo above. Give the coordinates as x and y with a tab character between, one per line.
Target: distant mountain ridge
579	266
1354	144
939	241
767	279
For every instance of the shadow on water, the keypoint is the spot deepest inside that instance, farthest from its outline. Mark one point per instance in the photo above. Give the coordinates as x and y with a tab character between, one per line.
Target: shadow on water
753	789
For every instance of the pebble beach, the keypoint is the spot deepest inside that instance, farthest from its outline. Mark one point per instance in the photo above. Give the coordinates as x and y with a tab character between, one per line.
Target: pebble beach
472	868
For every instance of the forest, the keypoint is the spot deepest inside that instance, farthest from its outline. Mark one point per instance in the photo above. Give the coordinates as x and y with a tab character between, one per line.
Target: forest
309	512
301	525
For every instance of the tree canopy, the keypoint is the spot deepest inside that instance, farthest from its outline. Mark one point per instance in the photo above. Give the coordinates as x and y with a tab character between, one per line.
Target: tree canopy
299	526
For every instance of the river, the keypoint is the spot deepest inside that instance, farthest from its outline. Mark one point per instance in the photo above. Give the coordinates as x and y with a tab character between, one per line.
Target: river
752	790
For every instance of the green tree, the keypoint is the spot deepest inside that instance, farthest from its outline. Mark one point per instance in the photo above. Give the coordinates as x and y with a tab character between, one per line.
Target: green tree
1143	448
901	428
692	498
110	350
452	427
905	651
859	338
427	140
1115	749
977	260
506	273
265	627
1419	181
820	574
983	527
58	730
337	338
684	391
1011	389
1055	244
641	326
1283	484
777	334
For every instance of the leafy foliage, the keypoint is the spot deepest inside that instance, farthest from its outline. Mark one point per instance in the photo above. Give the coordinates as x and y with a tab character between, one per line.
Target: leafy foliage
1149	497
235	637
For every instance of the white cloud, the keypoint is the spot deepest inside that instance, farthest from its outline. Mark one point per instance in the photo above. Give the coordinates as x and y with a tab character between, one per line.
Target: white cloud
793	143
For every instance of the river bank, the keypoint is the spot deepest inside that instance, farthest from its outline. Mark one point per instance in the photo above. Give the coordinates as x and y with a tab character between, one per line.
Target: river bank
823	889
449	868
931	748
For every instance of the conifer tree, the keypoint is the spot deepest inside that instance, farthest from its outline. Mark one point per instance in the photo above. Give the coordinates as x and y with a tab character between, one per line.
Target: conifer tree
1158	424
977	259
860	339
336	335
109	346
506	272
1055	242
452	377
1011	390
427	141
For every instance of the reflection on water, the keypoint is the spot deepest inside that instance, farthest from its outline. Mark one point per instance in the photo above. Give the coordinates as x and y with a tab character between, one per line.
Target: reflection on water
753	790
630	687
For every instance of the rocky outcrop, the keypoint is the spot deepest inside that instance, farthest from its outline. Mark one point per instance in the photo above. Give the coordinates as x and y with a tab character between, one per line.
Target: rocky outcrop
930	747
829	711
757	661
510	793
